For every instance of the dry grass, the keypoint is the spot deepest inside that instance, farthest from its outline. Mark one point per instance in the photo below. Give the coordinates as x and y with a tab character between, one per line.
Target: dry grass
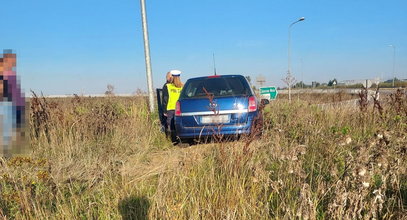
104	158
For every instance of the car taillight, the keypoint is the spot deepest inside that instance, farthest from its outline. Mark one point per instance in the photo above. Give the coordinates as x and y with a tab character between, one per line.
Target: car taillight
252	104
178	109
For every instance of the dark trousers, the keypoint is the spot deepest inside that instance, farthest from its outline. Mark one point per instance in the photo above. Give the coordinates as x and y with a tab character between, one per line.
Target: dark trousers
170	120
170	132
20	115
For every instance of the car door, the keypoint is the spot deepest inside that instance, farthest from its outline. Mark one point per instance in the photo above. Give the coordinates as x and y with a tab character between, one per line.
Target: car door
163	119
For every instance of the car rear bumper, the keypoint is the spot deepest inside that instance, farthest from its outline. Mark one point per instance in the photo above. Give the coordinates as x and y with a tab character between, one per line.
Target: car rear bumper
205	131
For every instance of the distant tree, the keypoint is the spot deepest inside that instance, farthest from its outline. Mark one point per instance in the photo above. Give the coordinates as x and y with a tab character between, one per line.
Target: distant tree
249	79
331	82
139	92
110	90
315	84
300	85
391	80
289	80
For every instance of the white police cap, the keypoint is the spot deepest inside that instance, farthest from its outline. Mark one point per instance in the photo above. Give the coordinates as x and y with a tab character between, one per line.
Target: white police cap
175	72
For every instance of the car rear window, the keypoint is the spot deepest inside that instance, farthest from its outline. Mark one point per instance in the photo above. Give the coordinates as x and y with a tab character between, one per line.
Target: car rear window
218	86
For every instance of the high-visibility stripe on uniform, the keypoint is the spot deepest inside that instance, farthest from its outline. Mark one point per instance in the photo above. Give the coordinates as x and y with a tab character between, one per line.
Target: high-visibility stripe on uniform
173	96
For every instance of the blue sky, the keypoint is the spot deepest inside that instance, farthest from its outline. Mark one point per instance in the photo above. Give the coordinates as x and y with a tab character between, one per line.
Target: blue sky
80	46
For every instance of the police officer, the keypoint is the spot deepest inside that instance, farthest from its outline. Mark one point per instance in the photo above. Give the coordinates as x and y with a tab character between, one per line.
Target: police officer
171	92
162	107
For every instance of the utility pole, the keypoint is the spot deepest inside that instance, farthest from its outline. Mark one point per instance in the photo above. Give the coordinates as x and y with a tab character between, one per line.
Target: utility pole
394	62
260	80
302	74
214	64
147	55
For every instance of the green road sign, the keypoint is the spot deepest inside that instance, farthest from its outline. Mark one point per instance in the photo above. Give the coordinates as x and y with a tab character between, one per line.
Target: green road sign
268	92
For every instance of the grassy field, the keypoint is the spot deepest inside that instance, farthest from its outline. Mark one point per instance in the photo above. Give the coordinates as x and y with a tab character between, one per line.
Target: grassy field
104	158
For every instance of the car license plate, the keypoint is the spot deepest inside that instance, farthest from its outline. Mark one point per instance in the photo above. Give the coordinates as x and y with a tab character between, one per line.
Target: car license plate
215	119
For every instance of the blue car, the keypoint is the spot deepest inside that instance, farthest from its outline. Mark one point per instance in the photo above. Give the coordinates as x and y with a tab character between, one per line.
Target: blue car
220	106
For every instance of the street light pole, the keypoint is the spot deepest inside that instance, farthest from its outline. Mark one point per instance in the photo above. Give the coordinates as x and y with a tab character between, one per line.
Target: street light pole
290	78
302	74
394	62
147	55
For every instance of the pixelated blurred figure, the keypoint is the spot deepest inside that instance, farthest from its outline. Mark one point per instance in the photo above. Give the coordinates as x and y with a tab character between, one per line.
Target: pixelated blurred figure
7	116
12	104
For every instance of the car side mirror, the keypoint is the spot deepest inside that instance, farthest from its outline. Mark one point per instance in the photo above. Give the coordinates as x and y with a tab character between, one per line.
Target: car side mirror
265	102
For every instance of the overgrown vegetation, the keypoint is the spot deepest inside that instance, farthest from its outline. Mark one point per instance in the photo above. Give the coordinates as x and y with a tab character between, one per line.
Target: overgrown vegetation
104	158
